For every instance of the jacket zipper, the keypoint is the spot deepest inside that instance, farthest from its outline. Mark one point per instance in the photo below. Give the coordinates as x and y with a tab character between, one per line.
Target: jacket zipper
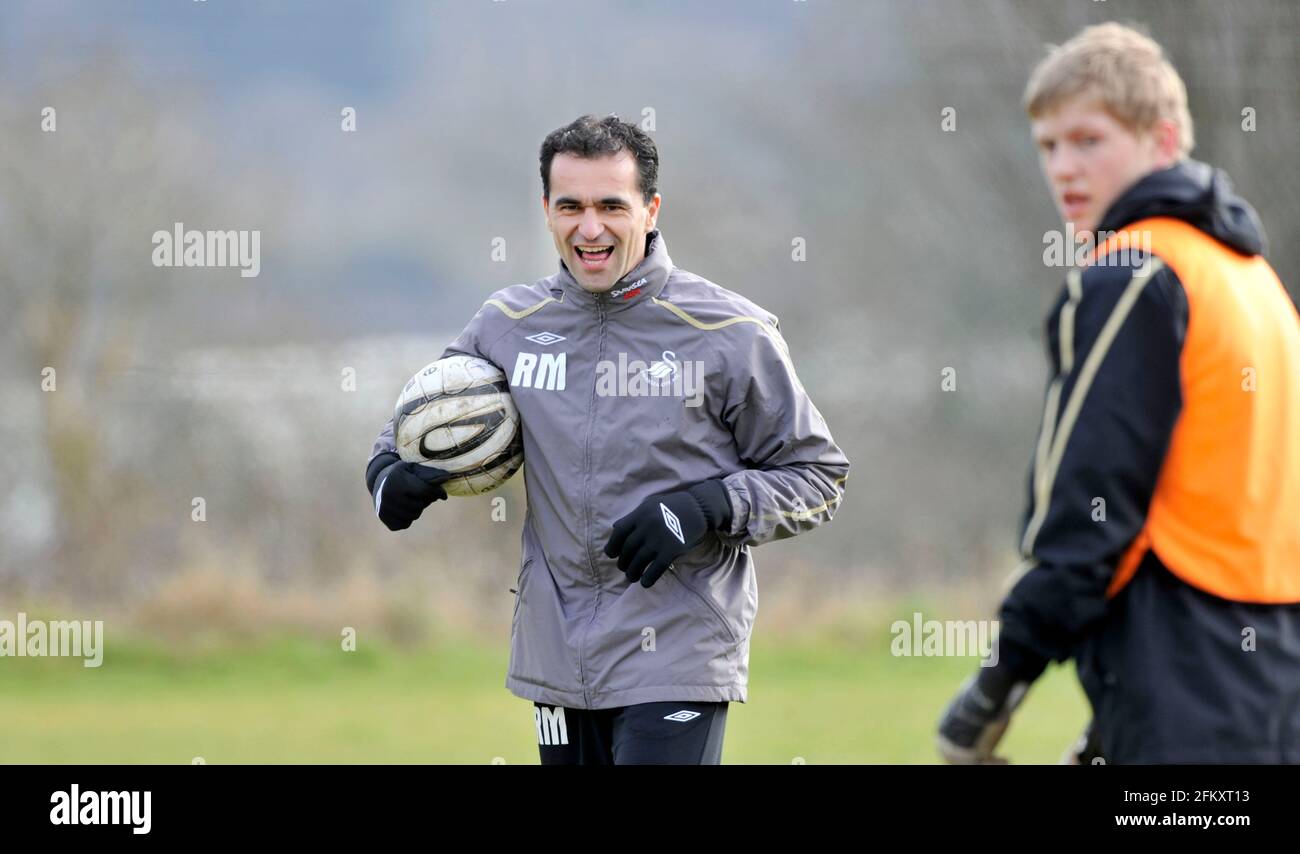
586	503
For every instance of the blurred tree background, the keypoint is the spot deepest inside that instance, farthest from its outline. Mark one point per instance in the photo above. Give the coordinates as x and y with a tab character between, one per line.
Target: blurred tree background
775	120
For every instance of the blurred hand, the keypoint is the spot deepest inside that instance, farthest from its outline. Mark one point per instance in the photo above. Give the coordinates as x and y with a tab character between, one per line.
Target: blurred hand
1086	749
977	717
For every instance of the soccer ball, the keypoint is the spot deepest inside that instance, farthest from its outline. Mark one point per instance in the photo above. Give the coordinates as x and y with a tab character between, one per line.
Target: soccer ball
456	414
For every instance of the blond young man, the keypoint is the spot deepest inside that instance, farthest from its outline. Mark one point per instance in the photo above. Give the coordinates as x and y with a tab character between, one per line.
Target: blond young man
1161	542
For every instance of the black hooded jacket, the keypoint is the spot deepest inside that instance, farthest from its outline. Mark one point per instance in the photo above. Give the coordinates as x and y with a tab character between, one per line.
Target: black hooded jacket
1163	663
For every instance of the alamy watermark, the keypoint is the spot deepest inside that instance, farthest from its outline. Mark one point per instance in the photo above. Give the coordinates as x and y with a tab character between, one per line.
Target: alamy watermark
129	808
663	377
943	638
181	248
55	638
1069	248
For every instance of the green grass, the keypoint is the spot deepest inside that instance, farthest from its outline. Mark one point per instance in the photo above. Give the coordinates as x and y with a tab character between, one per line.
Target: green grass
827	700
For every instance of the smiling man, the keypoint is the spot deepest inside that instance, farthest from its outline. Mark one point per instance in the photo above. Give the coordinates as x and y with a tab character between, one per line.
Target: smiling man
1161	542
599	218
637	591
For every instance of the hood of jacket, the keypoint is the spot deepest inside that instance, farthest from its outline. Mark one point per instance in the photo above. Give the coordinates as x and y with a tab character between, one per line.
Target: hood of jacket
1196	193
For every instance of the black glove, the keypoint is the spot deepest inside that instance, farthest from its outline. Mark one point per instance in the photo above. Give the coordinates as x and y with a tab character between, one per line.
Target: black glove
402	490
665	527
977	717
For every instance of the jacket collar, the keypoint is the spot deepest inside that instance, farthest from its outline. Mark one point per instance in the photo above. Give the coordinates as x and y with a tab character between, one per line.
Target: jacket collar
646	280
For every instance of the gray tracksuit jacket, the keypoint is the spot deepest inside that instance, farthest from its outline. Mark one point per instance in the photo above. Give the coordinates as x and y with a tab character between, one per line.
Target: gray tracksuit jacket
664	381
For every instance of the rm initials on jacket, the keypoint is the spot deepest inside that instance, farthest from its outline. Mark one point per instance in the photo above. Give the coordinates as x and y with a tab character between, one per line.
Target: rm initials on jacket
549	367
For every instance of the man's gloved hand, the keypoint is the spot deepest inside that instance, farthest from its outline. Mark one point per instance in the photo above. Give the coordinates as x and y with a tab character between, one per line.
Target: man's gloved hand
665	527
975	720
402	490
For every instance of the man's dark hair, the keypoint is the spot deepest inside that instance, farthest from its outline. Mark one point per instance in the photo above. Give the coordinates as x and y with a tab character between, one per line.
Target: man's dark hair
590	137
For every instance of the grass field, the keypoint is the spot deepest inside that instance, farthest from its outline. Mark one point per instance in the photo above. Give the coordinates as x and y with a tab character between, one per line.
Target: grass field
293	700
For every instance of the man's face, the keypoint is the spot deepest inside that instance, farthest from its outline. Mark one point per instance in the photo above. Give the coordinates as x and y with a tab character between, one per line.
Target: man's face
1090	159
598	218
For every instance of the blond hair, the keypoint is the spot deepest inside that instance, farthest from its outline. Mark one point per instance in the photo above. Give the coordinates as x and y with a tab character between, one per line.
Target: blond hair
1124	70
